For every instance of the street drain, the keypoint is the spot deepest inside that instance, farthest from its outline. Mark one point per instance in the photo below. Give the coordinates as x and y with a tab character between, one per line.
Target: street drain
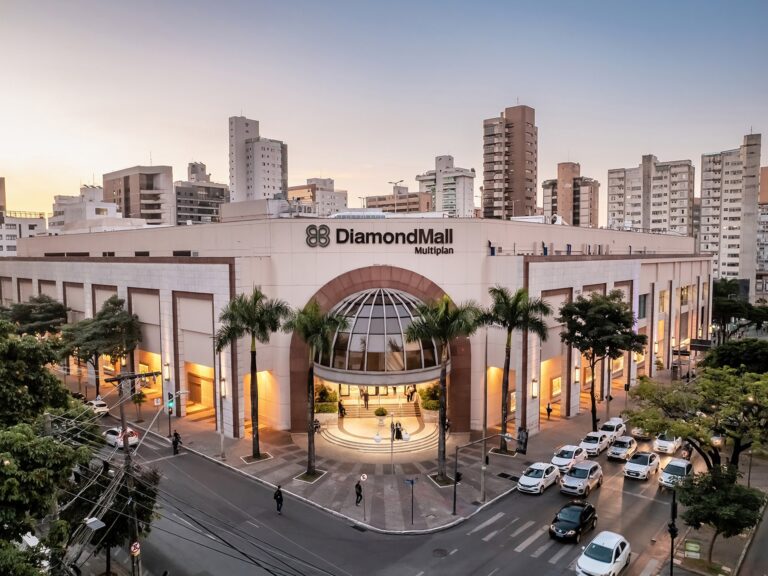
439	552
504	475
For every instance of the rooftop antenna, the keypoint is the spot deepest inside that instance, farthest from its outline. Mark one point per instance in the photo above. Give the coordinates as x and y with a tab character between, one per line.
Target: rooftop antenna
517	99
150	157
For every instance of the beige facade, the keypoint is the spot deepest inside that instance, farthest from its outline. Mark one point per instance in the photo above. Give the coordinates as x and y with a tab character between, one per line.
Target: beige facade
763	198
178	279
510	163
319	197
401	200
571	196
143	192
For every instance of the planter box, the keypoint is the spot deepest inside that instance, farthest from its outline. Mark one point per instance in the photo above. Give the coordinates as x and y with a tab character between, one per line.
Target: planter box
430	415
327	418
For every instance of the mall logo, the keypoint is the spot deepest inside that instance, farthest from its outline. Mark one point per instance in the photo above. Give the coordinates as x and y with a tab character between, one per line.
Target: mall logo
424	240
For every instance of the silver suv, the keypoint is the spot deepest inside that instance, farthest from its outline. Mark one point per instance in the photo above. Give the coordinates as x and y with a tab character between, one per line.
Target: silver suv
582	478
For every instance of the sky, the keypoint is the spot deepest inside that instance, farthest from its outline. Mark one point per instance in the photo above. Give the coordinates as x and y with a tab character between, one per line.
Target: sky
368	92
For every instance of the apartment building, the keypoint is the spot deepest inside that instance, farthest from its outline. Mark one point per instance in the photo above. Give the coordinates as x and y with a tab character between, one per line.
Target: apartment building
318	196
401	200
16	224
729	210
143	192
452	188
258	166
198	200
653	197
572	196
510	163
73	210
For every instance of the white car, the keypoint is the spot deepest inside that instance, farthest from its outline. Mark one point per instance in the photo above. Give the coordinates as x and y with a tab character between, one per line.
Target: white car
538	477
582	478
667	443
99	407
623	448
614	427
641	465
607	555
114	437
674	472
640	433
566	456
595	442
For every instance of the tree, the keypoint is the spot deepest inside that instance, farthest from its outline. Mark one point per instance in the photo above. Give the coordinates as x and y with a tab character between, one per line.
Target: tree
730	312
315	328
113	332
514	312
600	327
749	355
19	562
258	317
443	322
27	387
715	499
138	399
41	315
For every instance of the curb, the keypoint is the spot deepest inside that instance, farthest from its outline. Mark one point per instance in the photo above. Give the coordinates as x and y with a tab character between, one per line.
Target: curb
748	545
355	523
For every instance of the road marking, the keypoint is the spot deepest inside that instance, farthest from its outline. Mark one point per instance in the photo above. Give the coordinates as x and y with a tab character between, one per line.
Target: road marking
251	523
541	549
420	573
493	572
452	552
530	540
488	522
522	529
490	536
163	458
562	552
650	568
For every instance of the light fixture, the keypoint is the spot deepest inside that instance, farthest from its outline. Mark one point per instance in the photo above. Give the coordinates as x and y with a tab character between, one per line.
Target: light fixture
166	372
576	374
123	360
674	341
656	347
223	385
534	387
700	332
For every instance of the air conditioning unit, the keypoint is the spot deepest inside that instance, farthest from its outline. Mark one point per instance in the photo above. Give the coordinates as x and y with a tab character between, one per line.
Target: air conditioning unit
195	253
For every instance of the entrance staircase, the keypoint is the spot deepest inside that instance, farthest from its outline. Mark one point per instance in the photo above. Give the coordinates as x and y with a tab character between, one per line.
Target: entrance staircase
422	439
403	410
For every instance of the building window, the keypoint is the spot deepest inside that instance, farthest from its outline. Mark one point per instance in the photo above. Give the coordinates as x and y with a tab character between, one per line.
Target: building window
663	301
642	304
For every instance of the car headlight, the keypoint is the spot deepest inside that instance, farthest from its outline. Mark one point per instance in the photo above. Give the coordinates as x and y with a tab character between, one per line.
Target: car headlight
552	527
571	533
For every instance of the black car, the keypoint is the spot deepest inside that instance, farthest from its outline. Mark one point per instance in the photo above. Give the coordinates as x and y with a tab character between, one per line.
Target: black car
574	518
77	396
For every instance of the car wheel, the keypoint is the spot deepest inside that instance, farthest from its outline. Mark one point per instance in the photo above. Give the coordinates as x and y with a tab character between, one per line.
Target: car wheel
541	489
594	522
586	492
577	538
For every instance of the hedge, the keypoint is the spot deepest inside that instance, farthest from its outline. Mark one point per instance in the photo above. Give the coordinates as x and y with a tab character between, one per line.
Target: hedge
326	407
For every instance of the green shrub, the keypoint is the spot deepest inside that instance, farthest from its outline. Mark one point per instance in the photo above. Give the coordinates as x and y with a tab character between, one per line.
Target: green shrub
380	411
326	407
431	404
430	393
325	394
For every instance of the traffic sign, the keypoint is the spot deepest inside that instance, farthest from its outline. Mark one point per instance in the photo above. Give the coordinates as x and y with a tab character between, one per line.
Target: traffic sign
135	549
363	477
158	401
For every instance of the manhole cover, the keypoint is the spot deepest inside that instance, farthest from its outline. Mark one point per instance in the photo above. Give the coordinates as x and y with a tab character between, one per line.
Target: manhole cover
514	478
439	552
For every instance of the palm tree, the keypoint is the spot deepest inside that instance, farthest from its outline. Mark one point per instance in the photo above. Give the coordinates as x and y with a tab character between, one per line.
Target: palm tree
258	317
443	322
317	330
514	312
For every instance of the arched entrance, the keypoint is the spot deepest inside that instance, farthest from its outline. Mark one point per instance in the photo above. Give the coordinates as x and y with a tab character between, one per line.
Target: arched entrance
360	280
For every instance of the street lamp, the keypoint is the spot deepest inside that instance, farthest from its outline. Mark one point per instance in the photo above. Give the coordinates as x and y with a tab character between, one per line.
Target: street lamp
394	193
507	437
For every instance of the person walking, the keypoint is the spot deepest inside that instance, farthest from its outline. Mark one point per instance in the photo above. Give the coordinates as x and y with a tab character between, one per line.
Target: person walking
365	399
342	410
549	410
176	441
358	493
279	499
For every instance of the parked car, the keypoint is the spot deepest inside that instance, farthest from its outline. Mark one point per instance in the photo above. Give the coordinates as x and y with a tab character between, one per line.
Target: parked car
667	443
573	520
582	478
607	555
614	427
623	448
640	433
538	477
641	465
114	437
595	442
674	472
99	407
77	396
566	456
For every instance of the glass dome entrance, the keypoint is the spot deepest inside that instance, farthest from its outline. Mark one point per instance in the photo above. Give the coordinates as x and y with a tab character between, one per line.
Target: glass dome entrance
374	341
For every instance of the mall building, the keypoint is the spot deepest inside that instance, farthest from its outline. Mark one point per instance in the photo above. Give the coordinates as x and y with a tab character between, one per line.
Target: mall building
376	272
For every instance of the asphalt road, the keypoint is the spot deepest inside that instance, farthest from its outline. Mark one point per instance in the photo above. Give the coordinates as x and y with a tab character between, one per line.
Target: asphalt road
214	521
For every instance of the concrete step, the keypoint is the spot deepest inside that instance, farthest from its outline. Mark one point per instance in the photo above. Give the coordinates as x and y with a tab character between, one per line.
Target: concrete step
370	447
404	410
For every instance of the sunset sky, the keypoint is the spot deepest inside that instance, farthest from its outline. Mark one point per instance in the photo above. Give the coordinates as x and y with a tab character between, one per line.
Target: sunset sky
368	92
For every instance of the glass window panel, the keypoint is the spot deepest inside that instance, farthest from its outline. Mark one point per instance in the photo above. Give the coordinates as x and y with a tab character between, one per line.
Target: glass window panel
358	342
355	361
413	359
376	343
395	358
377	325
361	326
366	311
429	354
378	311
393	326
410	346
401	311
375	362
405	322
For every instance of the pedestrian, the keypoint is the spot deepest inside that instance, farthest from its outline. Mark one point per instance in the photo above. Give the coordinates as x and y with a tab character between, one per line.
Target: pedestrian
549	410
342	410
279	499
365	399
358	493
398	431
176	442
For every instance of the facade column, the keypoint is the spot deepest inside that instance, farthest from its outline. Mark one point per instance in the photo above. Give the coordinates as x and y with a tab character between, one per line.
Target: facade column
168	364
652	326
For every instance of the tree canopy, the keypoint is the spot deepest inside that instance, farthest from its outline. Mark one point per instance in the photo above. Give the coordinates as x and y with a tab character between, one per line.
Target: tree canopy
731	311
748	355
40	315
600	327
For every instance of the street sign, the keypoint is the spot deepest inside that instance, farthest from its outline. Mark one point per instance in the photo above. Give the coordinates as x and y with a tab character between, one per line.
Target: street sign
363	477
158	401
135	549
692	549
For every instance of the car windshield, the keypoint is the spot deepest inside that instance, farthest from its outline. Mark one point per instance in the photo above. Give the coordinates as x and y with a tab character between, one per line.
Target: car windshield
666	437
578	472
608	427
639	459
675	470
621	444
599	553
570	514
565	454
534	473
590	439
